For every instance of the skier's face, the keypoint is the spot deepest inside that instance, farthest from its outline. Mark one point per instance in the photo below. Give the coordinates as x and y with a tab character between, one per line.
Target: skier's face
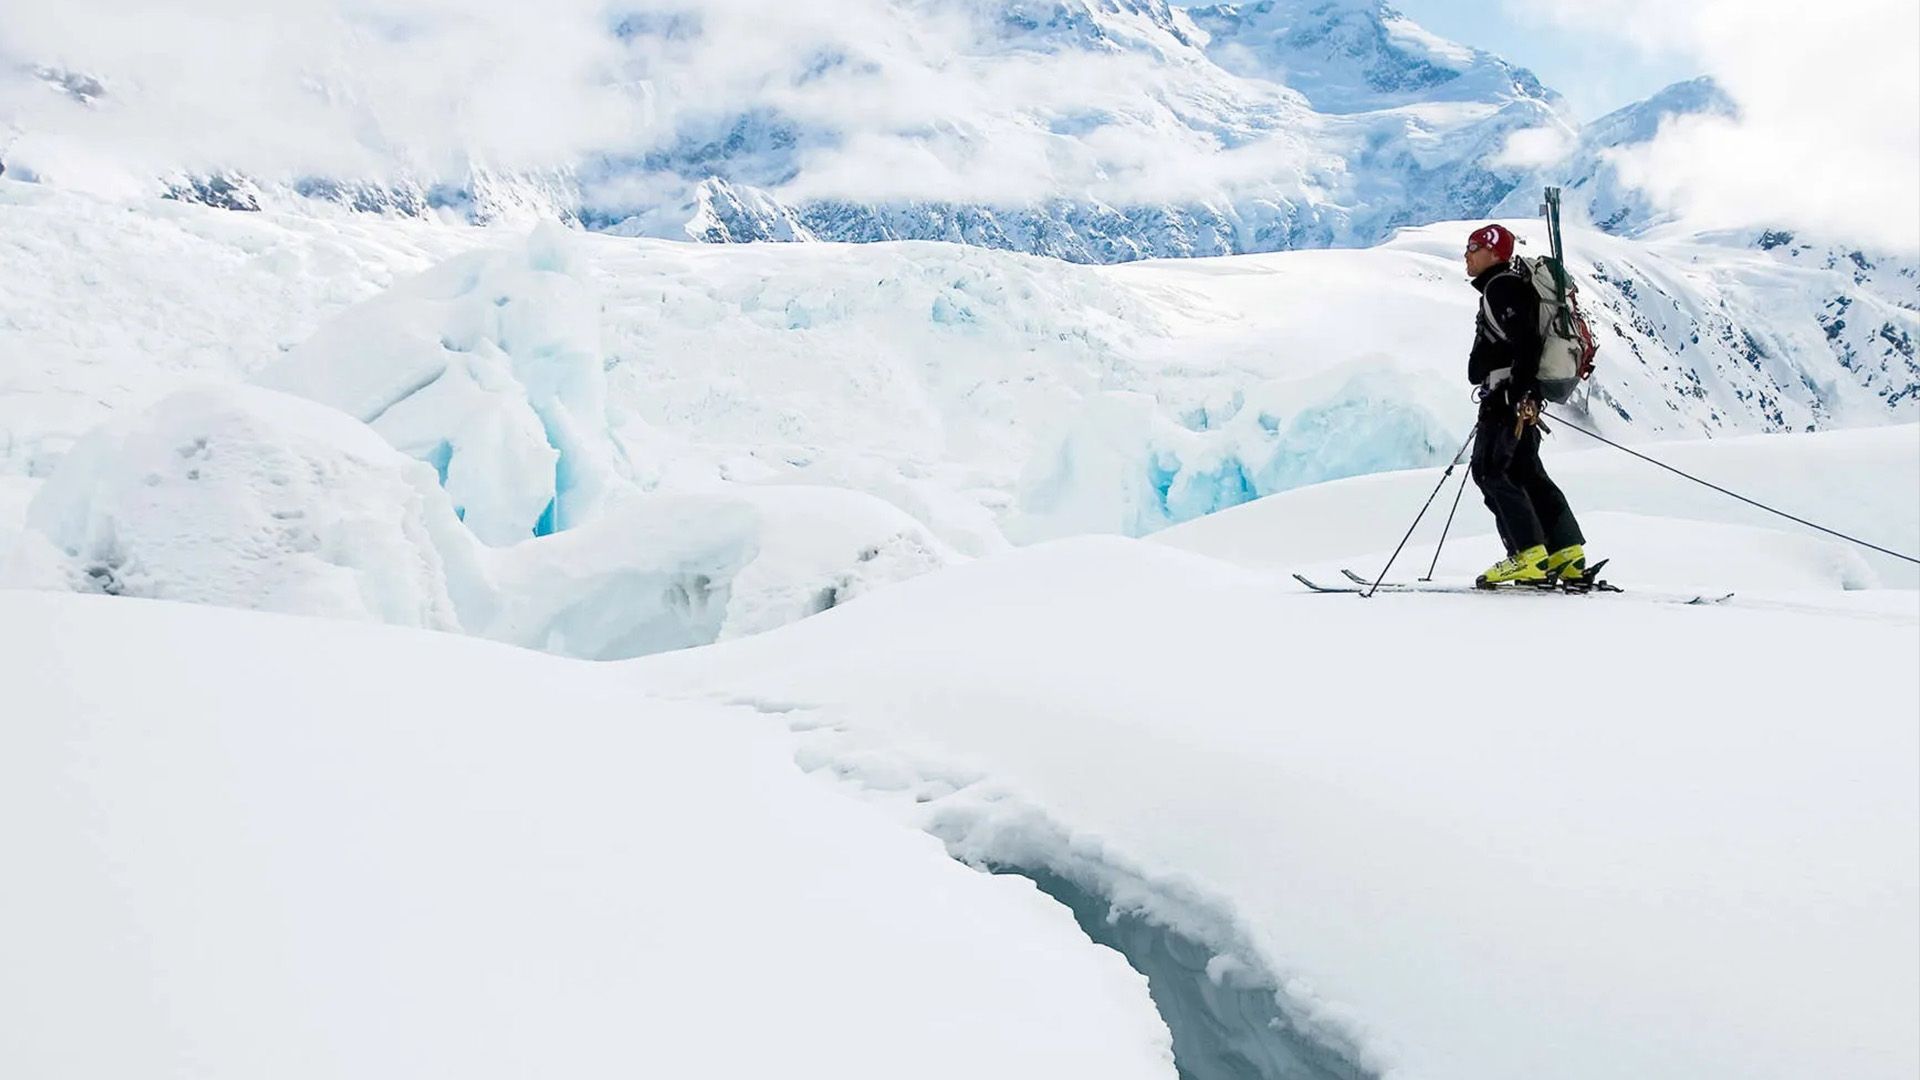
1479	259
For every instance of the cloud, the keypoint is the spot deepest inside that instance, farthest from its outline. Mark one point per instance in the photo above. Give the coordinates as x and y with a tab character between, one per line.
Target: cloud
1828	137
286	88
866	100
925	99
1535	148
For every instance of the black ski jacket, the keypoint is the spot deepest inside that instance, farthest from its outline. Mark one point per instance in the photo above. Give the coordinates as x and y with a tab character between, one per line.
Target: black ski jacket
1511	339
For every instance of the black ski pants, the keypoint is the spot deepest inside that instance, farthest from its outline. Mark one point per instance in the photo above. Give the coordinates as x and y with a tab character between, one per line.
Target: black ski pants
1527	506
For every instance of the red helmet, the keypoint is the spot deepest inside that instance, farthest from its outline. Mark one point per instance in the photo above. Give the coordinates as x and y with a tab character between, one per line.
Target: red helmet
1494	238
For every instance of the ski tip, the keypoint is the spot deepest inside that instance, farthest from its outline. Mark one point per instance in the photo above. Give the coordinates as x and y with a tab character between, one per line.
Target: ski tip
1315	586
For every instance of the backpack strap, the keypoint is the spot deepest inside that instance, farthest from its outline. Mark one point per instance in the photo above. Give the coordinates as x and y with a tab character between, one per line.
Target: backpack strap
1514	268
1486	312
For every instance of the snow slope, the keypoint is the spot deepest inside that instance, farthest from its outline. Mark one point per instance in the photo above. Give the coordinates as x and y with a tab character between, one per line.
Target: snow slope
243	846
1679	864
1696	855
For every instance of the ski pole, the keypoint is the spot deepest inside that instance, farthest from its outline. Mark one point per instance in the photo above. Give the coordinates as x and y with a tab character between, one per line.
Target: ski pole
1449	526
1451	465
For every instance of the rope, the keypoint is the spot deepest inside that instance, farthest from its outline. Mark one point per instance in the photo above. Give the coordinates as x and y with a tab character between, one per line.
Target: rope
1750	502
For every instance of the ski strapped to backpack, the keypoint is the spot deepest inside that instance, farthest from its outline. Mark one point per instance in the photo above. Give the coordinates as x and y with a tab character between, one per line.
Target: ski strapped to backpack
1567	343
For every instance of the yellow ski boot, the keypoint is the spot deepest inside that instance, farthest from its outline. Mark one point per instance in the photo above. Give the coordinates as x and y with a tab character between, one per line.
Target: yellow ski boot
1569	564
1527	568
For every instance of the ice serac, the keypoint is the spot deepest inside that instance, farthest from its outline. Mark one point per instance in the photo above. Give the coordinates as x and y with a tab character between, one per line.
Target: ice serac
661	572
243	497
489	368
247	498
1123	466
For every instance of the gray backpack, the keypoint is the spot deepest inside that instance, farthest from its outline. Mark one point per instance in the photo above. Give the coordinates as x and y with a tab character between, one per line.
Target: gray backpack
1567	345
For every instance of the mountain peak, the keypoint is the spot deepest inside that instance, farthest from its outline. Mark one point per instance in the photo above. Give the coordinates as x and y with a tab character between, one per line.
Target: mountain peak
1590	173
1349	56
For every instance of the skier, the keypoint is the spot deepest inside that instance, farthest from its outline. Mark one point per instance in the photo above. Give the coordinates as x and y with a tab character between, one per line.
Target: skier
1535	523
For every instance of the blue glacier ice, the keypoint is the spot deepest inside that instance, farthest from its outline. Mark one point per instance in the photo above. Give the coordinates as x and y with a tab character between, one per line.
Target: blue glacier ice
1124	465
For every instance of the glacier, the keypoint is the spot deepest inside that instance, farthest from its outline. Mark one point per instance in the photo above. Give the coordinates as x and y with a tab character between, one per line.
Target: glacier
709	441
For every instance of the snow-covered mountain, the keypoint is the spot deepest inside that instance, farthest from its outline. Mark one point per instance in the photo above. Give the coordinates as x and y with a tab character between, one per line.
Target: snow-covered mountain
1594	191
1297	124
1353	56
1089	130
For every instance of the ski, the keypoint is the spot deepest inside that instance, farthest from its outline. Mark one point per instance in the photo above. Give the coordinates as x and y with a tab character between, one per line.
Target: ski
1392	586
1361	585
1361	588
